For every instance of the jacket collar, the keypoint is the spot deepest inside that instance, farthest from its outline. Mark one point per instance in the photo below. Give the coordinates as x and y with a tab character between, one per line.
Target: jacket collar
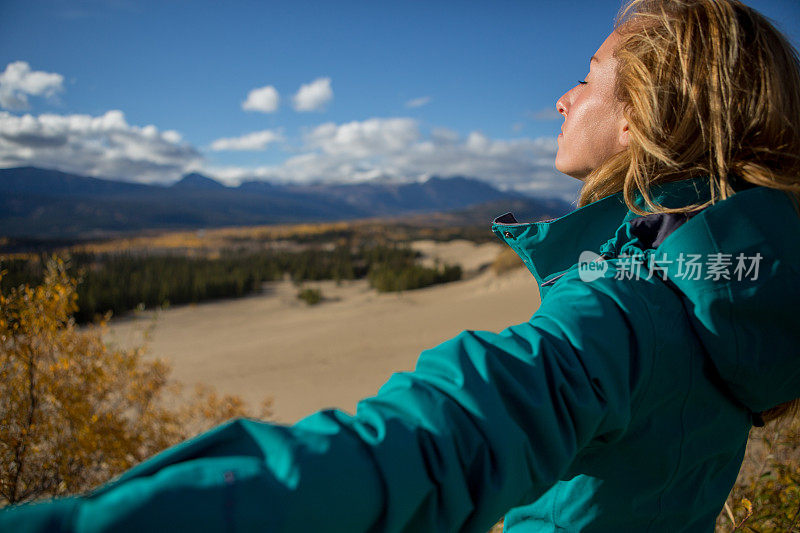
549	248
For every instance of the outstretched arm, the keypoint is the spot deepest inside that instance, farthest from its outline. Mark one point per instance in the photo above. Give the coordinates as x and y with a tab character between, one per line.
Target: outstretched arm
486	422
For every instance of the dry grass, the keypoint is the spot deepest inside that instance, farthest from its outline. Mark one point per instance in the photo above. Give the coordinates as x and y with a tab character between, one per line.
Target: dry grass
505	261
766	497
214	239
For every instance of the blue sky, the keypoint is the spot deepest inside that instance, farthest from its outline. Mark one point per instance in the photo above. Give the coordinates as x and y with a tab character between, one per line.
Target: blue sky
147	90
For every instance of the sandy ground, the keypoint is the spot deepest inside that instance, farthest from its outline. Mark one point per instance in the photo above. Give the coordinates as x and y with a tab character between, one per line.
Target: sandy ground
333	354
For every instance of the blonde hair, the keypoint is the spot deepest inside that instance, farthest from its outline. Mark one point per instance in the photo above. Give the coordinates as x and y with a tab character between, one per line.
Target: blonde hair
709	88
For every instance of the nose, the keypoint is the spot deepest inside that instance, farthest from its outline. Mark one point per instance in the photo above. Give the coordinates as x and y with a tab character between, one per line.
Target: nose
561	105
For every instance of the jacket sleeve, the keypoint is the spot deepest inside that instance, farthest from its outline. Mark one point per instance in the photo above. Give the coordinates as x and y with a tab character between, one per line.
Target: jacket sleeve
486	422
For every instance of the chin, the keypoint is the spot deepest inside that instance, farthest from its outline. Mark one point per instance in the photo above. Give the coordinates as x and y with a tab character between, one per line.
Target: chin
560	166
571	172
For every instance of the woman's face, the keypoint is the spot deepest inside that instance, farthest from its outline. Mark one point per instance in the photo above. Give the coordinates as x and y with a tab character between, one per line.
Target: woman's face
594	128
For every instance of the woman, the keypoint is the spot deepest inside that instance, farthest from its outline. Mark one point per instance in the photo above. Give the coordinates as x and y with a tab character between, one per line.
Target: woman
624	404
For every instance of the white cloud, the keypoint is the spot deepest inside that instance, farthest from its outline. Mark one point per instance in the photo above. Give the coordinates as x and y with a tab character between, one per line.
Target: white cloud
255	141
104	146
18	81
477	142
395	148
372	137
313	96
264	99
418	102
444	136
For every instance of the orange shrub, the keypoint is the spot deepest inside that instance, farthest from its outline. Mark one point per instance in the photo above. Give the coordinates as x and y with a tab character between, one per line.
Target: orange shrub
73	411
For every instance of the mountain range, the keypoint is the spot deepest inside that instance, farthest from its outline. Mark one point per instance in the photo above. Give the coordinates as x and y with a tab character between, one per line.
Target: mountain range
48	204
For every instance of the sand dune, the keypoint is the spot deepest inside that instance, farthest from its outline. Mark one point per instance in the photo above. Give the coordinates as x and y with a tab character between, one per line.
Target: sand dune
337	352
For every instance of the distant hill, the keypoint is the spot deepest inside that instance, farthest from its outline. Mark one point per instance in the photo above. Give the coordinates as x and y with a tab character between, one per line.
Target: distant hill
197	182
42	182
48	204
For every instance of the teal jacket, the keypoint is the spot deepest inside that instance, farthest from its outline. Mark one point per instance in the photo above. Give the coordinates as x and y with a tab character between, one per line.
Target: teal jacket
623	404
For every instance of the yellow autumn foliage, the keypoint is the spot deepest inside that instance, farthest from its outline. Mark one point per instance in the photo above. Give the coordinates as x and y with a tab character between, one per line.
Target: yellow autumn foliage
766	497
73	411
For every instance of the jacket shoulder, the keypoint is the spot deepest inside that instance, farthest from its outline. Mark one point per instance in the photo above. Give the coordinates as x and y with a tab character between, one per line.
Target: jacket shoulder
636	323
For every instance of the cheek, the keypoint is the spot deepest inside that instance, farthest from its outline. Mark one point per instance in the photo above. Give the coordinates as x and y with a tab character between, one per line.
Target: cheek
580	131
597	128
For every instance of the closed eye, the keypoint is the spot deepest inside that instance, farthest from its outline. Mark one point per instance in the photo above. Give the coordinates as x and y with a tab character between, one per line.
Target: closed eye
582	82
